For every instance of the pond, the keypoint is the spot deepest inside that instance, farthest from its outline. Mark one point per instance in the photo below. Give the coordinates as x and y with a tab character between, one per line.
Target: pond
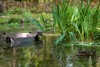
48	55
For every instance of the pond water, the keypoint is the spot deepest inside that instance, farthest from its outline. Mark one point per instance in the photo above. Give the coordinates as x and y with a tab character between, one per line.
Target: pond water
48	55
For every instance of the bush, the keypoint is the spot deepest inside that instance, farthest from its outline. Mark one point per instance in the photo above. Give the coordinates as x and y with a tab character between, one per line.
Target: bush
1	8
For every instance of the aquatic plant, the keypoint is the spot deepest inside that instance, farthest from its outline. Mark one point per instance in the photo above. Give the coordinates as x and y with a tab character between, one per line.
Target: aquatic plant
80	22
43	24
64	21
74	23
14	10
87	20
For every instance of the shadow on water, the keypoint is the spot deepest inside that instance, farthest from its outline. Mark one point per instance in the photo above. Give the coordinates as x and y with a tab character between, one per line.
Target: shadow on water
40	54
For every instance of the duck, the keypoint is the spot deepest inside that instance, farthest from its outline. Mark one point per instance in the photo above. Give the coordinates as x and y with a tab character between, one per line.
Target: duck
86	53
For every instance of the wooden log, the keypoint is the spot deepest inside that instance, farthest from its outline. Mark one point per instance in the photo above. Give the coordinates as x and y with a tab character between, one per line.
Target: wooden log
20	39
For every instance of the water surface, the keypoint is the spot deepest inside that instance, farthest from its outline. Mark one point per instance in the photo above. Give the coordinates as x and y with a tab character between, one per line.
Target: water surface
48	55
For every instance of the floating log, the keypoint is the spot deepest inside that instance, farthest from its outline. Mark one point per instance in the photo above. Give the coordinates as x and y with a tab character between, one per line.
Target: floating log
22	38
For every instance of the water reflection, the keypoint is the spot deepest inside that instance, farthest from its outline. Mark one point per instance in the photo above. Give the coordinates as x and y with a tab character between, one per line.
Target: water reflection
46	55
69	62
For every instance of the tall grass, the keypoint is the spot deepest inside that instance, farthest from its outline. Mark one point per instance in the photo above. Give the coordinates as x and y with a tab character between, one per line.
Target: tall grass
88	20
74	23
64	18
42	24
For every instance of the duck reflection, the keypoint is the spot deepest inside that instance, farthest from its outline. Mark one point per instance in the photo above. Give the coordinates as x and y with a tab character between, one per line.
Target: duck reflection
87	58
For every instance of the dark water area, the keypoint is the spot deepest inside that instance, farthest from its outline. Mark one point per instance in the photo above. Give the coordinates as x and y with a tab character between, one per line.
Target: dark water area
48	55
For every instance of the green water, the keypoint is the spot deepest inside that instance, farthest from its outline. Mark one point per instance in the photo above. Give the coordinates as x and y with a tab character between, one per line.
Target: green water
47	55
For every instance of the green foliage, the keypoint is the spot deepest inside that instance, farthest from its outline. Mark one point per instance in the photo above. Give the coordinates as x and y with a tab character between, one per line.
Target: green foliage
80	21
60	38
74	23
14	20
3	20
88	20
27	0
97	36
72	37
64	18
46	24
43	24
14	10
26	14
39	25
